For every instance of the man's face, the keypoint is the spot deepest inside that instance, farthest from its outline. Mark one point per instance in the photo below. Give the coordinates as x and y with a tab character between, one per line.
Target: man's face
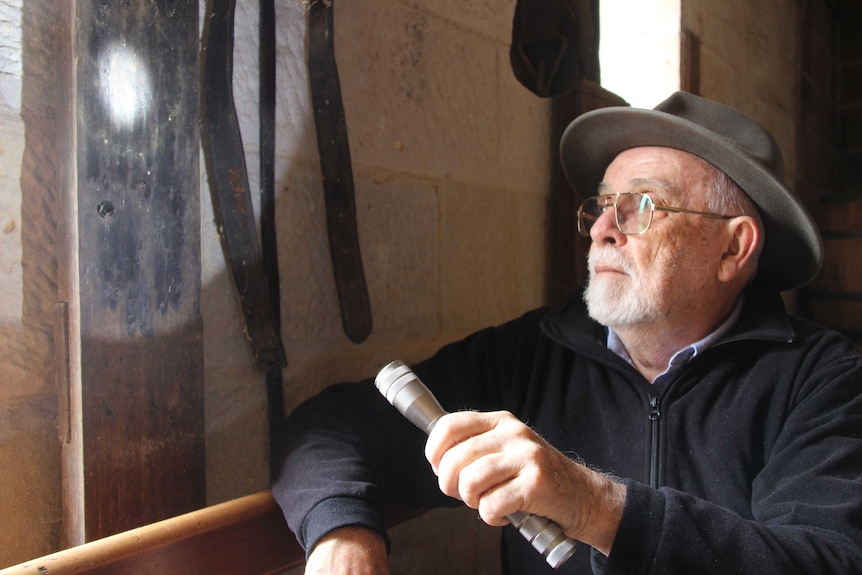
666	272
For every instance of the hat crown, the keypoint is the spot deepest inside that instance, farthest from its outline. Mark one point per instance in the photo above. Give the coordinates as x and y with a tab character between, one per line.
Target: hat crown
736	129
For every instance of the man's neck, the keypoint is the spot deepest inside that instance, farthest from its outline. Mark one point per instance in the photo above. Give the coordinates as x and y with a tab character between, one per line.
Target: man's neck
651	346
648	352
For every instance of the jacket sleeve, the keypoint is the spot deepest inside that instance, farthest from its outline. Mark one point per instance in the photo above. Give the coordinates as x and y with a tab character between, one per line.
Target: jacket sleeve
806	502
344	454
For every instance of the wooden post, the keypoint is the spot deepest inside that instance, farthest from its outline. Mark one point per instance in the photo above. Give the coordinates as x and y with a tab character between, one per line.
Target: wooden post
567	249
136	452
689	68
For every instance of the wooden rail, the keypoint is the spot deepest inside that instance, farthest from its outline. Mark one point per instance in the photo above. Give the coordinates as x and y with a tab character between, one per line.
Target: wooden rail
246	535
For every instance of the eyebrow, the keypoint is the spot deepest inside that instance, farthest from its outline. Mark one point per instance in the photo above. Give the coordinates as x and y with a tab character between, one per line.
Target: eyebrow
665	186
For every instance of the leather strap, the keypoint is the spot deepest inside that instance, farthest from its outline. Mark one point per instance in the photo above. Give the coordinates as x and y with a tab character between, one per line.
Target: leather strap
228	180
268	236
554	44
334	149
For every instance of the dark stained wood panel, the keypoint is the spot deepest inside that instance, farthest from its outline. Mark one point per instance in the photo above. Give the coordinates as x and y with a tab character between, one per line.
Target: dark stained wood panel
567	250
139	262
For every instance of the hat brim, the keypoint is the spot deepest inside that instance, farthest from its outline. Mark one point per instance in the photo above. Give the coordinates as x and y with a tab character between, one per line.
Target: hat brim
793	251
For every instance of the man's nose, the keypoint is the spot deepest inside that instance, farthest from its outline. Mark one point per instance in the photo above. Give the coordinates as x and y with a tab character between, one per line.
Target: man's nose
605	229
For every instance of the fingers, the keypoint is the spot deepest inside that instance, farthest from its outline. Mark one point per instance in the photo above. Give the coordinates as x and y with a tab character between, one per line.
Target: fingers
498	465
454	428
491	473
496	504
483	459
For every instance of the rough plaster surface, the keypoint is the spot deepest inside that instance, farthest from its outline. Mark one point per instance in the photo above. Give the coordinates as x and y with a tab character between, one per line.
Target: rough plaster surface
29	499
11	149
750	60
398	220
30	509
235	410
423	93
479	235
10	55
491	18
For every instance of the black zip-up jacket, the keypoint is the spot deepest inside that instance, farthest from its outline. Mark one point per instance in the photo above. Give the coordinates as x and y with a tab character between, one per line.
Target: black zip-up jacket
749	461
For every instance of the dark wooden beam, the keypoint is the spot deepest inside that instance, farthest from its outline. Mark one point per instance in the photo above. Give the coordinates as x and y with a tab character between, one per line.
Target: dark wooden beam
567	250
689	65
141	419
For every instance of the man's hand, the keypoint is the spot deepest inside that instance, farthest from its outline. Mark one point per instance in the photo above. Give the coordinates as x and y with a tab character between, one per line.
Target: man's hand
349	550
498	465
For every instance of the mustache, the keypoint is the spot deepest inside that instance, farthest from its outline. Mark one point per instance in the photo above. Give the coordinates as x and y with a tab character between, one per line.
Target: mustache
609	257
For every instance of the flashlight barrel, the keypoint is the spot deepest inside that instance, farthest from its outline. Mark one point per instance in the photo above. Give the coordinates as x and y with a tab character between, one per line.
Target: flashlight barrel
406	392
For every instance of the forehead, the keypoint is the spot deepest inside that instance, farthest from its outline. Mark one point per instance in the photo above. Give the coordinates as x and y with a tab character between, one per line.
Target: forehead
672	171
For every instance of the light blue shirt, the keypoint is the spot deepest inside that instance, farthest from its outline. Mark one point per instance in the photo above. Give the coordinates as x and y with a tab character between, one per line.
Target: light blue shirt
685	354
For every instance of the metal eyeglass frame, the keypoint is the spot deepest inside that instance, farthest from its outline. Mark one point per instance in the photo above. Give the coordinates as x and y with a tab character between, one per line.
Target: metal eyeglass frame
643	201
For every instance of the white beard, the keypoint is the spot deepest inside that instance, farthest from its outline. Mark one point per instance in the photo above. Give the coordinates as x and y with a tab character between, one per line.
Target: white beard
637	297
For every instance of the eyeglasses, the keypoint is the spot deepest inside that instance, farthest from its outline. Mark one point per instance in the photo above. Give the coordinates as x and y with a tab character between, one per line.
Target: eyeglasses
632	214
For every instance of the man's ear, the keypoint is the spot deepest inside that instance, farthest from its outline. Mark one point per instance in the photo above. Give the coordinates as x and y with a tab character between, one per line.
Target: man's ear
742	248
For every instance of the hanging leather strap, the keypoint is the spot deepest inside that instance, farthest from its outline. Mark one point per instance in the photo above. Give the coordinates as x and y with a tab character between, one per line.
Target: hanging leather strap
334	149
268	237
228	180
554	44
266	115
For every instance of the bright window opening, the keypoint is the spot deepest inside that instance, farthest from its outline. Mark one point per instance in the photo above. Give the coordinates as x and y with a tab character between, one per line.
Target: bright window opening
639	49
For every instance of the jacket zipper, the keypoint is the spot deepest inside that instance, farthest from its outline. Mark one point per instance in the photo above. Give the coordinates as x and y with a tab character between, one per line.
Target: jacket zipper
655	420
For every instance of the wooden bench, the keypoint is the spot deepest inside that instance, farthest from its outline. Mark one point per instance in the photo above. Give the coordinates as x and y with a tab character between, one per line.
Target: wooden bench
247	535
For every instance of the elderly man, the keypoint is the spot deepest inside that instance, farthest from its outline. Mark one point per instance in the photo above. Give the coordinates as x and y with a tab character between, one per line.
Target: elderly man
671	417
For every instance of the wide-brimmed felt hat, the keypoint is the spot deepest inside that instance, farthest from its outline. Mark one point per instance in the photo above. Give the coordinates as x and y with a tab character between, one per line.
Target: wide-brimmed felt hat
729	140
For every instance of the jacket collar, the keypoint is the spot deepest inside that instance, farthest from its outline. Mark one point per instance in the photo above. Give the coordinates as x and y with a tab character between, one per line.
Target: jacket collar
764	318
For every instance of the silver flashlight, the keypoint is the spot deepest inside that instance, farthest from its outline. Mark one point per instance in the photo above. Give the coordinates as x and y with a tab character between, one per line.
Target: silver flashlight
403	389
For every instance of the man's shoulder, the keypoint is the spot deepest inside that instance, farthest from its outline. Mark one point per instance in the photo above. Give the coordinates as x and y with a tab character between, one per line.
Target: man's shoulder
765	319
831	342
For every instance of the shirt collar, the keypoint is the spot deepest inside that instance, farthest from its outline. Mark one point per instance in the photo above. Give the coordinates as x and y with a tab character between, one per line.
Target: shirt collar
684	355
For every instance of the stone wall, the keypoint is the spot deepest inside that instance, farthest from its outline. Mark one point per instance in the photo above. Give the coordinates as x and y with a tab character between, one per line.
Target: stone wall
30	502
451	165
749	59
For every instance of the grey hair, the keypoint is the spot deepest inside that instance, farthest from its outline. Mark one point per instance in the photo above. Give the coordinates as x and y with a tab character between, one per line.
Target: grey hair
728	198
